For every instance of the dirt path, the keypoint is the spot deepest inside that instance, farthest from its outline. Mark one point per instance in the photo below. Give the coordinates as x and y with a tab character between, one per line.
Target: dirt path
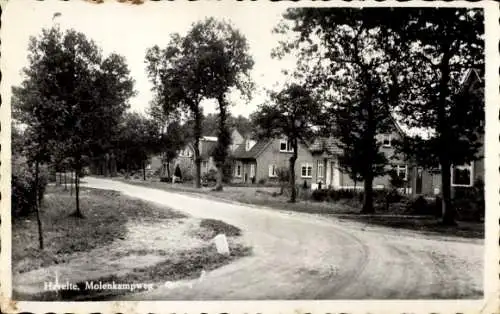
301	256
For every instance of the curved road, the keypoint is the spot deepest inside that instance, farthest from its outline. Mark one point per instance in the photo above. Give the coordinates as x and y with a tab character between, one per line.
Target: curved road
302	256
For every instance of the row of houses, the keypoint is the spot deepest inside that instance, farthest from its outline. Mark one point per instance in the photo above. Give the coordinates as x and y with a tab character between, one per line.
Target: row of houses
258	161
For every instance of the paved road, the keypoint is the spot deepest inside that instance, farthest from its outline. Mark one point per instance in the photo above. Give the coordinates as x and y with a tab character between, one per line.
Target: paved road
301	256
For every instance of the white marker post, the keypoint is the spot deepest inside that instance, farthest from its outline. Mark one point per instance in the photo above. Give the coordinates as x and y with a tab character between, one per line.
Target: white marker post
221	244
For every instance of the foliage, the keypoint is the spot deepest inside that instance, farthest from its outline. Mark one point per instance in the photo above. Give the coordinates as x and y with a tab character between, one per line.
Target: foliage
23	186
139	138
351	72
291	114
205	63
470	202
447	44
177	172
71	98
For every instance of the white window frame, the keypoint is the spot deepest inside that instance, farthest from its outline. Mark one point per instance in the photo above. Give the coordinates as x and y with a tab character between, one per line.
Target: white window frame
272	171
320	172
239	165
470	166
308	168
288	148
387	137
252	170
204	164
404	168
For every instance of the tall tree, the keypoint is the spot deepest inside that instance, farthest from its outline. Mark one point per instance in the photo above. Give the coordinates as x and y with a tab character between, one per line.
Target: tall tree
292	113
443	45
81	95
176	74
345	49
223	54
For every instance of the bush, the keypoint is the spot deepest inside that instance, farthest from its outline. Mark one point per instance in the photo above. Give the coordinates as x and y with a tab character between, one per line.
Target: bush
165	179
23	187
262	181
209	177
469	202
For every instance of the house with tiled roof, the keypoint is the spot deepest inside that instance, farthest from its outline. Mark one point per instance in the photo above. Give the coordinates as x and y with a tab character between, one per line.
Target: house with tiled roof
327	172
207	144
260	160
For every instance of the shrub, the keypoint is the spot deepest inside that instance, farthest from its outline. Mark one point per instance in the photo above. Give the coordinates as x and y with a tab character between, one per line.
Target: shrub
23	187
262	181
165	179
209	177
469	202
319	195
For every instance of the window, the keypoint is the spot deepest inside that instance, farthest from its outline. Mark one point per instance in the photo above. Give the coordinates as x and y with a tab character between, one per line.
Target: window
402	172
286	146
204	164
461	175
252	170
272	171
306	170
387	140
320	169
237	170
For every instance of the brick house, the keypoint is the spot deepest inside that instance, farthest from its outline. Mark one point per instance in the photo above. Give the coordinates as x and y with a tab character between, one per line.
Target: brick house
428	181
259	161
328	174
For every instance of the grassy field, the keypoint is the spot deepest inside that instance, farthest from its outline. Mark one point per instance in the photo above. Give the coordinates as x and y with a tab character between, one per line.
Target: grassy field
128	241
344	209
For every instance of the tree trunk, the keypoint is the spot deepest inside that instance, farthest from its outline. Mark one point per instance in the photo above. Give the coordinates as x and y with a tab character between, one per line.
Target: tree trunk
78	212
37	208
60	178
220	175
71	182
144	170
293	195
168	169
448	210
368	195
65	180
197	159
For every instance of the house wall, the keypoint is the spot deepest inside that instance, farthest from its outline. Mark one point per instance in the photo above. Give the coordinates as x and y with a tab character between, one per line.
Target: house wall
272	155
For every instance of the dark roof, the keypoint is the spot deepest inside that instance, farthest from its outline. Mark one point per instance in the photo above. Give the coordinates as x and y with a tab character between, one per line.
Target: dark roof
327	145
207	148
241	153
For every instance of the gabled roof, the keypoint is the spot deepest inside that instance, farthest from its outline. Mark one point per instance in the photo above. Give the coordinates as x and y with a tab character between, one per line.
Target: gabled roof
241	153
328	145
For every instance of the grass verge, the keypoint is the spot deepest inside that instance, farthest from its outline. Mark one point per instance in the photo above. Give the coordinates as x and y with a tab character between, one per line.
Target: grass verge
106	213
260	196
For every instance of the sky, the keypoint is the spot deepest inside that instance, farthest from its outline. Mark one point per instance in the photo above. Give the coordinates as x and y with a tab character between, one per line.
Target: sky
130	30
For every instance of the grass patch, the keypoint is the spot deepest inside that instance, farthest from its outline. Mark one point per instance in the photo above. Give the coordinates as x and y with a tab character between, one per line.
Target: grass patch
183	265
106	213
209	228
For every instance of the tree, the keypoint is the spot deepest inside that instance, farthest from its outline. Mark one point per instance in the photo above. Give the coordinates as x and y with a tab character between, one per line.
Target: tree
205	63
345	49
80	96
223	53
175	72
443	44
292	113
139	139
171	136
